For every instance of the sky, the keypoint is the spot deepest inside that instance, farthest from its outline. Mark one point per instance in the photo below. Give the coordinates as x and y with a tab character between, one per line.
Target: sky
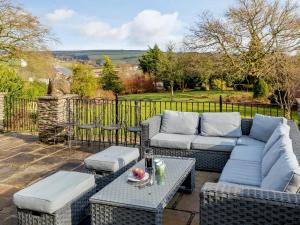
120	24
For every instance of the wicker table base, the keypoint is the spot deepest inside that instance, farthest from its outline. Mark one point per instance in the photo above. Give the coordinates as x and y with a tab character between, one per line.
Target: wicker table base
123	203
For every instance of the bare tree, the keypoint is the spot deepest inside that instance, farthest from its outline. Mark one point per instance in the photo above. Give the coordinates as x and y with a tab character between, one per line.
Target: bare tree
248	33
19	31
283	77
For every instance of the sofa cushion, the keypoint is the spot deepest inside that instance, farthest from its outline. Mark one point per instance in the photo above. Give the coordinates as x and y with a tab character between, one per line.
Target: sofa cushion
54	192
248	141
221	124
174	122
281	129
176	141
280	175
241	172
213	143
239	185
112	159
263	126
281	145
249	153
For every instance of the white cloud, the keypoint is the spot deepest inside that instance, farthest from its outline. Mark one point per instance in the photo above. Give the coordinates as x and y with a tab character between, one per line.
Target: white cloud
147	28
59	15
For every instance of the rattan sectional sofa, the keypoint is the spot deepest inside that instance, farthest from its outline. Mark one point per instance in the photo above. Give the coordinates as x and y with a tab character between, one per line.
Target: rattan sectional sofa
238	197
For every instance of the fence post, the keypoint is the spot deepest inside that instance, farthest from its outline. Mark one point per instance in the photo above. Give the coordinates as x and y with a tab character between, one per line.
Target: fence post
2	111
117	119
221	103
298	111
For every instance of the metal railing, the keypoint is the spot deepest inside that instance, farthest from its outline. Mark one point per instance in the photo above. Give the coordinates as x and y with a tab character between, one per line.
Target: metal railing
20	114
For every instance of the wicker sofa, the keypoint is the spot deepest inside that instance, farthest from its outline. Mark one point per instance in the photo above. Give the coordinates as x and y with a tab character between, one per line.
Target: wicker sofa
226	203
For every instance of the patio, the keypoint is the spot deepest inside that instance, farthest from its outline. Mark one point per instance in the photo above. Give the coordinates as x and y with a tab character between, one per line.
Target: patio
24	160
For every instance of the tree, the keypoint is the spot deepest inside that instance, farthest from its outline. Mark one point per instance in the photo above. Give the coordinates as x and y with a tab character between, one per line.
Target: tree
83	81
284	80
110	80
10	82
148	62
248	34
19	32
169	68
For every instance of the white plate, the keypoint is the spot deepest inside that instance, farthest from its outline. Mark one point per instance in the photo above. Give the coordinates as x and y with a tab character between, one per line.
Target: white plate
132	178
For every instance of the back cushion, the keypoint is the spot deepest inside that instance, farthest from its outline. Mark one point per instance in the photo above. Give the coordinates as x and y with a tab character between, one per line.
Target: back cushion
281	129
281	177
221	124
174	122
283	144
263	126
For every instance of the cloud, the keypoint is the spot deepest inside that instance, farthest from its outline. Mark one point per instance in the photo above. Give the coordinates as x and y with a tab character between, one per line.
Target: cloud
147	28
59	15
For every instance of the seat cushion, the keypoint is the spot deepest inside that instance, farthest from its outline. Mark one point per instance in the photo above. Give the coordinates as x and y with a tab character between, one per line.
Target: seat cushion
221	124
174	122
241	172
246	140
176	141
263	126
280	146
213	143
54	192
249	153
281	174
112	159
281	129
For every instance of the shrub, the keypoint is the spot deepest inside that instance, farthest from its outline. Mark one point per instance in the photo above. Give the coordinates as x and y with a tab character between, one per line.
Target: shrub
260	89
35	89
10	82
219	84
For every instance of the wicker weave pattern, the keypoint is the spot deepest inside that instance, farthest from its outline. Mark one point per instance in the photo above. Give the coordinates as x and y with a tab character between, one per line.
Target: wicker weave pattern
71	214
103	178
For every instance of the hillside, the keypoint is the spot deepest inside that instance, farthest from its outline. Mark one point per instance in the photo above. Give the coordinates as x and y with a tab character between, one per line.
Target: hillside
117	56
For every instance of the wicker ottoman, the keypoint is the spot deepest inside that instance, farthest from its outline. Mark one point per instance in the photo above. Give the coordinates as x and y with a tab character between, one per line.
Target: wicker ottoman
60	199
111	163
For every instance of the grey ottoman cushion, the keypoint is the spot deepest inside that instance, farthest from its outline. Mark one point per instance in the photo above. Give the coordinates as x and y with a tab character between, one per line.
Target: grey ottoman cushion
175	141
213	143
280	176
221	124
54	192
263	126
248	153
174	122
241	172
277	149
249	141
112	159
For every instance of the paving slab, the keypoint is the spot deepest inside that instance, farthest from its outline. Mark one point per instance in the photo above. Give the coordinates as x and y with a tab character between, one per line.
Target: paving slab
175	217
196	219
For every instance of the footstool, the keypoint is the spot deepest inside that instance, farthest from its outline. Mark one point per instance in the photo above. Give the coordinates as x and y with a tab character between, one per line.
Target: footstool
110	163
60	199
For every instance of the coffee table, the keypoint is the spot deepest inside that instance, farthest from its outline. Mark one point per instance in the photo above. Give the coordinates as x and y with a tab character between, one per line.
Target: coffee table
124	203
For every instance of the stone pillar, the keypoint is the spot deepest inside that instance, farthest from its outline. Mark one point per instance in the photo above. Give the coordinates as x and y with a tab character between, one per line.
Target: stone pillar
2	112
52	112
298	111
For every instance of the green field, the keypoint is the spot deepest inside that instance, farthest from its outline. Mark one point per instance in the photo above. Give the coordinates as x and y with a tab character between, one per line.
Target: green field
117	56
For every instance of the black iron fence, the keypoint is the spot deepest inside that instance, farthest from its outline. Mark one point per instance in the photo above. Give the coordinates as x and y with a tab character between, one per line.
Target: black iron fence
20	114
118	121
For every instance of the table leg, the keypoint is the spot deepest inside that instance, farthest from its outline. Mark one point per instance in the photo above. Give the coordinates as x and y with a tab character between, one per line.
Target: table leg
189	184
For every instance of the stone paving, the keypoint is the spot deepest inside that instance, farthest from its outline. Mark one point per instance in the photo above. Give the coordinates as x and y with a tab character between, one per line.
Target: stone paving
23	161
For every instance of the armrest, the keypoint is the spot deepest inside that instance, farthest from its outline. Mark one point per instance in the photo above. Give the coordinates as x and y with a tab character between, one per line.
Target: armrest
222	204
150	127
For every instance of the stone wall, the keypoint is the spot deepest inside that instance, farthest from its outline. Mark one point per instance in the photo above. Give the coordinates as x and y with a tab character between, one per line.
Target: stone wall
53	112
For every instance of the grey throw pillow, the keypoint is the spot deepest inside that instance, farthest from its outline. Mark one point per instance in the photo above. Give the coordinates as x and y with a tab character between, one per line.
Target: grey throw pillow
221	124
174	122
263	126
294	184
